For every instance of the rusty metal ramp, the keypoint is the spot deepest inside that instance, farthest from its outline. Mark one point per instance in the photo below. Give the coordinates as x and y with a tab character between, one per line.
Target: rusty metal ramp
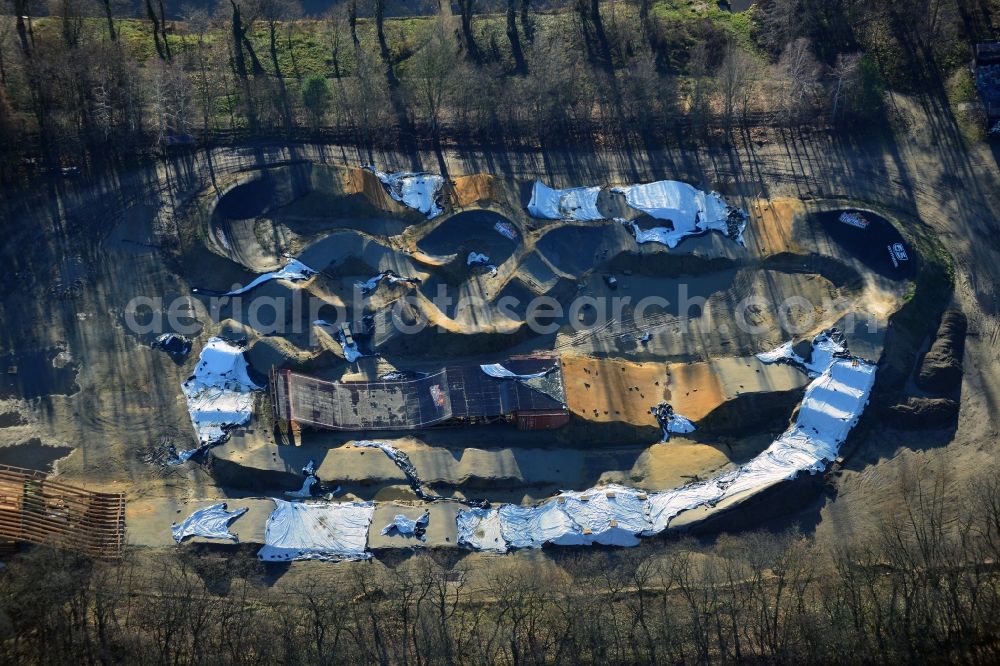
35	509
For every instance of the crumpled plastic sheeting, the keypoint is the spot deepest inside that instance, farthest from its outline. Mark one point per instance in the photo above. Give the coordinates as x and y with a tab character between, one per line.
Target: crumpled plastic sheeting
479	529
317	531
419	191
477	259
613	515
500	372
832	405
219	393
212	522
577	203
293	271
824	350
372	283
690	210
407	526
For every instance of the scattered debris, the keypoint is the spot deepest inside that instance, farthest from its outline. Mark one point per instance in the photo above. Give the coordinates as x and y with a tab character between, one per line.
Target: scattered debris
670	421
401	375
177	346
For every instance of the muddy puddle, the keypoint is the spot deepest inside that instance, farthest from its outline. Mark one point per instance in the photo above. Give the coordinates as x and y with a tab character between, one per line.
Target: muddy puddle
33	374
32	454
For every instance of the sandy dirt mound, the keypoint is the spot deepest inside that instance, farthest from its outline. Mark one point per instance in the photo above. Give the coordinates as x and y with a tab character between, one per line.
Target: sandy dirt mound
472	190
362	181
941	369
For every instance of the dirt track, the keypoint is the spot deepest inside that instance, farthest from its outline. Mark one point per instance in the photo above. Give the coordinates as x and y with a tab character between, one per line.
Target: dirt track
930	175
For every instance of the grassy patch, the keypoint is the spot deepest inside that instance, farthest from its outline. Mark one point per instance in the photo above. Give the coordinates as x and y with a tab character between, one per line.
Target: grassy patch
963	100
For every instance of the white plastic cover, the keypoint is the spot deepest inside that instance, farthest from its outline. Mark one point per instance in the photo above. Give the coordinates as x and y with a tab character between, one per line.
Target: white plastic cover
824	349
500	372
317	531
293	271
577	203
690	210
405	526
372	283
679	424
219	393
419	191
479	529
477	258
212	522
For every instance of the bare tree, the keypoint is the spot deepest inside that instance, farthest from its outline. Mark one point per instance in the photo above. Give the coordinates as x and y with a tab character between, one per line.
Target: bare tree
846	75
431	74
736	78
799	73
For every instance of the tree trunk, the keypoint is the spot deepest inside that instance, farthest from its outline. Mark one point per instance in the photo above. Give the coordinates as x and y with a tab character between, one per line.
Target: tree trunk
515	41
273	33
156	29
352	21
526	23
240	64
163	32
466	7
380	30
111	22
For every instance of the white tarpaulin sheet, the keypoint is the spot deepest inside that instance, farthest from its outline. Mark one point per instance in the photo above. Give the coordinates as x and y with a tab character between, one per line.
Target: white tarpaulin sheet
407	527
372	283
212	522
479	529
219	393
293	271
419	191
500	372
679	424
824	349
577	203
317	531
832	405
688	209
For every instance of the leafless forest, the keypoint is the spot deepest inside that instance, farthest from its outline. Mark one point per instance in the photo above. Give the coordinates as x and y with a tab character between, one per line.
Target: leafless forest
925	590
82	79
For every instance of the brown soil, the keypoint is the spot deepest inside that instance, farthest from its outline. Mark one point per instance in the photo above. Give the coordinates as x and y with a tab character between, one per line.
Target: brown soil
472	190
